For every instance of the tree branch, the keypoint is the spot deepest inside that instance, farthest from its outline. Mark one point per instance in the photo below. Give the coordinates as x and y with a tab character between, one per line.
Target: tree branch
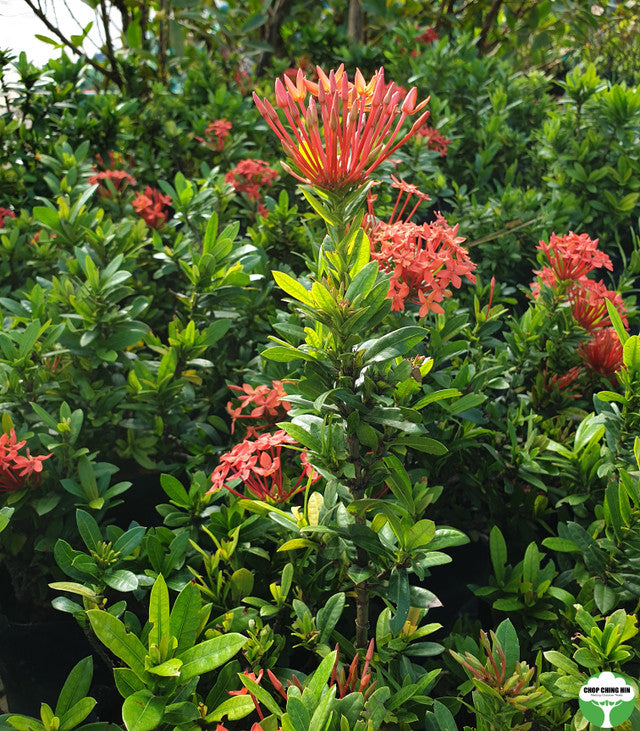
111	75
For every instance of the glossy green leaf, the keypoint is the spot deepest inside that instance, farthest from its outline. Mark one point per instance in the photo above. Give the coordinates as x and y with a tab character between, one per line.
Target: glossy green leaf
142	711
158	611
210	654
125	645
76	686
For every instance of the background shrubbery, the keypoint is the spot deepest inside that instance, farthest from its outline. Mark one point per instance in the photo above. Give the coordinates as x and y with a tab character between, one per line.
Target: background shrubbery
142	213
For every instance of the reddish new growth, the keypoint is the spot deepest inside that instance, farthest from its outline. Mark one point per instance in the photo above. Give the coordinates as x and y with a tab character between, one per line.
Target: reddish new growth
5	213
152	206
337	139
215	135
603	353
244	690
266	403
435	141
17	470
249	176
258	463
423	260
565	383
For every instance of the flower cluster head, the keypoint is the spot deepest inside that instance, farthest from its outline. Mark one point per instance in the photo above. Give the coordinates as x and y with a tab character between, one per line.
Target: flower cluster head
18	470
152	206
429	36
424	260
119	178
5	213
249	176
603	352
262	402
435	141
215	135
570	259
259	464
337	138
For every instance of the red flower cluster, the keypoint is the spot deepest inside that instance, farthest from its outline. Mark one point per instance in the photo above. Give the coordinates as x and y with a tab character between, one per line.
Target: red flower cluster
603	352
119	178
266	403
423	260
571	259
258	463
429	36
435	141
249	176
151	205
345	131
5	213
17	470
216	134
588	304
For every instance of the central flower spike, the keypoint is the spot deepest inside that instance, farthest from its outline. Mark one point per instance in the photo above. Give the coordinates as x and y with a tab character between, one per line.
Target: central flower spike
337	138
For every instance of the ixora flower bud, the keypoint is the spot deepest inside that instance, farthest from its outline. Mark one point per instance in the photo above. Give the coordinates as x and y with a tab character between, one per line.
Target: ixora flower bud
346	129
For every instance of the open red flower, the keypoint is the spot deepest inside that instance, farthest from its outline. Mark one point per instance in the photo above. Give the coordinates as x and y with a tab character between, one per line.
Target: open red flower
266	403
603	353
5	213
345	130
215	135
588	304
249	176
571	257
17	470
152	206
258	463
424	261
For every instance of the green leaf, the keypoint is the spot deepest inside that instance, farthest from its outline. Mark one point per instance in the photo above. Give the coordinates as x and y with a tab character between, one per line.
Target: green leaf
296	543
233	708
292	287
76	686
508	638
562	661
604	597
282	354
89	529
421	444
498	552
261	694
112	633
76	714
158	611
430	398
400	595
392	345
328	616
631	354
142	711
616	321
175	490
210	654
561	544
321	675
184	620
121	580
363	281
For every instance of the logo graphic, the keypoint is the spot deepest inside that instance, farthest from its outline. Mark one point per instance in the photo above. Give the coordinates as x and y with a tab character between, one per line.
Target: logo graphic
606	700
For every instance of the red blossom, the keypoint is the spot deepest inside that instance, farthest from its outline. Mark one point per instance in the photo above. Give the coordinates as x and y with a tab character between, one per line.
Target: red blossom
119	178
603	353
5	213
267	403
249	176
151	205
588	304
435	141
258	463
17	470
429	36
572	257
216	134
346	129
423	260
